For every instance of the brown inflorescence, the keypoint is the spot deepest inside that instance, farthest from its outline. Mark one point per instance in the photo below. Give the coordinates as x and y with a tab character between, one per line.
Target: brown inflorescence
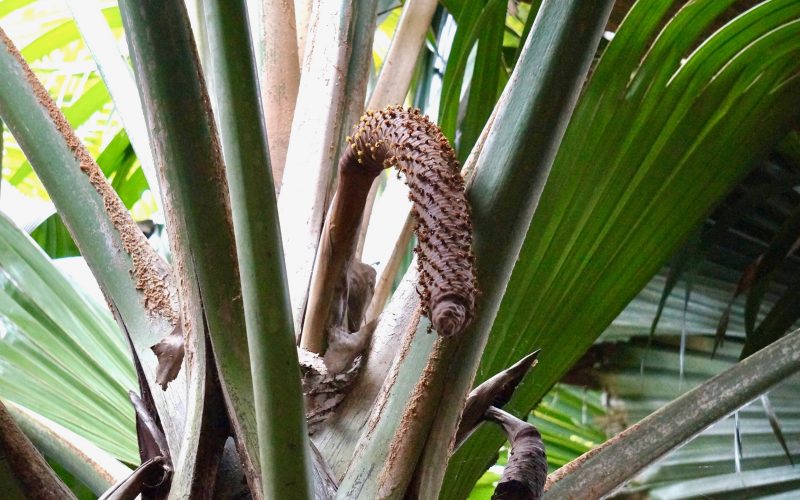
408	140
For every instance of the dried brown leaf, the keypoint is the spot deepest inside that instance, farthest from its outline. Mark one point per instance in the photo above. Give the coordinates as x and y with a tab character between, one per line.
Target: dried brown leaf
496	391
170	353
344	347
360	287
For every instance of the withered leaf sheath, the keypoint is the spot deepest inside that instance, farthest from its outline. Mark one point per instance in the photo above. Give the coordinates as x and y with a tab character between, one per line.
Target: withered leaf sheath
408	140
526	471
170	353
496	391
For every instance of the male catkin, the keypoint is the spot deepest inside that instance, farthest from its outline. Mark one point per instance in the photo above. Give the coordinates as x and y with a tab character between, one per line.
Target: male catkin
409	141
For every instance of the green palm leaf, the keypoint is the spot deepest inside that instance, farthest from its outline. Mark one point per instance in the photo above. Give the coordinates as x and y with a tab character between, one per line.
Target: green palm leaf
667	139
89	110
61	355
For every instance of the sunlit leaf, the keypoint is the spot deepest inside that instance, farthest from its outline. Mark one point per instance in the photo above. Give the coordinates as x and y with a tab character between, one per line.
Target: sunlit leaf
61	354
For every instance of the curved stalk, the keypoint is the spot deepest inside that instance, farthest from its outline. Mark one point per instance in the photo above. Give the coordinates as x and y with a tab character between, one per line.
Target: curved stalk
409	141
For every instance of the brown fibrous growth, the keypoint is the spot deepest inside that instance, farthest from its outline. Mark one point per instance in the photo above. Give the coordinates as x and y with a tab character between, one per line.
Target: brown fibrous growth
408	140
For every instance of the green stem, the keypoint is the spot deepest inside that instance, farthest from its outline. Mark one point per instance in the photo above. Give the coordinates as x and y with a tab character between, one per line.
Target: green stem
186	148
602	470
280	418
